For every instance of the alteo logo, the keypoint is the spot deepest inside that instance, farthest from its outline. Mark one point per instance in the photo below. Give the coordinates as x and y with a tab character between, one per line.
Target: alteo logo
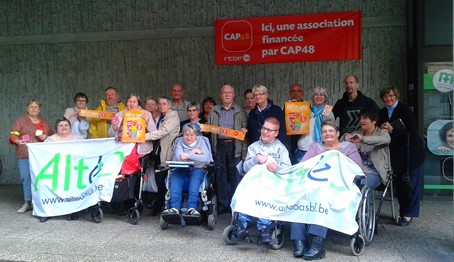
237	36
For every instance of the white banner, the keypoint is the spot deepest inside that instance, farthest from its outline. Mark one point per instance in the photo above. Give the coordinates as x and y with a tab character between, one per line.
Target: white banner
318	191
70	176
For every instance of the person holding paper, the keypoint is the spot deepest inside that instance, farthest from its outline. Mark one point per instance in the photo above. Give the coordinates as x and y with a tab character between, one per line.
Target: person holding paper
320	112
79	124
267	151
296	95
99	127
228	152
371	142
300	233
116	130
29	128
192	147
398	119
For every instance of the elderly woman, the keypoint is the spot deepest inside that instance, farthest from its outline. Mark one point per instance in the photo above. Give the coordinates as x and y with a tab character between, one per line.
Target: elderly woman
192	147
168	126
79	124
371	142
264	109
193	110
207	104
404	141
300	233
151	105
116	129
29	128
63	133
319	114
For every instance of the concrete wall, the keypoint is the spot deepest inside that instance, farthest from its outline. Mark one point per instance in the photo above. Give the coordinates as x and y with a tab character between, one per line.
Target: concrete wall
52	49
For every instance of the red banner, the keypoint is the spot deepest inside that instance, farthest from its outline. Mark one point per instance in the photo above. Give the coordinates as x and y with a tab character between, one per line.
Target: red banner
281	39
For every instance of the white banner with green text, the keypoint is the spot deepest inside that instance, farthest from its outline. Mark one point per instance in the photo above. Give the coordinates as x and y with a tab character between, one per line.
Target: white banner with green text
318	191
70	176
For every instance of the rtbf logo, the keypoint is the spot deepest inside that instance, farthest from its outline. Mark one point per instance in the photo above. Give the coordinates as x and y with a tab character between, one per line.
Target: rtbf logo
237	36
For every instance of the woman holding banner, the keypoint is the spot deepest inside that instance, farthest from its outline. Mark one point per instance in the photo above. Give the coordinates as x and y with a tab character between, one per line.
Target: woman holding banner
63	133
300	233
29	128
320	112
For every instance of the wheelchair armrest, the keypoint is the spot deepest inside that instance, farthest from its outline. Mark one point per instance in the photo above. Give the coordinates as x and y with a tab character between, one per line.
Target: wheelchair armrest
209	167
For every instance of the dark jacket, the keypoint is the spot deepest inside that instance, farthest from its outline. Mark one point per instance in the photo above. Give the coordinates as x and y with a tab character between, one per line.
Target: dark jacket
256	120
348	112
399	148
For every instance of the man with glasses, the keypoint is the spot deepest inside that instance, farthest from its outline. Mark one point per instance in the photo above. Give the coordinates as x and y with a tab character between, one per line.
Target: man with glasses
98	127
228	152
269	151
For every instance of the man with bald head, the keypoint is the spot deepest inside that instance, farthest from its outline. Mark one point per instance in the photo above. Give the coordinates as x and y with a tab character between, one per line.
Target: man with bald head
178	103
352	102
228	152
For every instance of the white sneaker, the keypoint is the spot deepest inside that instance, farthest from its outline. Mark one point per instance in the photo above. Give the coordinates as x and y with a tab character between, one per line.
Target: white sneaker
24	208
193	212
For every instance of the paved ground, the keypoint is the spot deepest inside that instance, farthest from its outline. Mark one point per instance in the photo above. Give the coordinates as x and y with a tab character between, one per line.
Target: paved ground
23	238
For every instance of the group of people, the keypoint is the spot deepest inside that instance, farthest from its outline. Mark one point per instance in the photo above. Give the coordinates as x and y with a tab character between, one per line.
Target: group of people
364	134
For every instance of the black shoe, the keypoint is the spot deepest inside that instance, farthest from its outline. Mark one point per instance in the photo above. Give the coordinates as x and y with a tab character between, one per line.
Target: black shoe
404	222
223	210
299	247
43	219
317	249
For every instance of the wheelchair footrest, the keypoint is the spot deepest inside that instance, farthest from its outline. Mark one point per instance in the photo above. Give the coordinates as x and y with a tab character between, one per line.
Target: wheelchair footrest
192	220
171	218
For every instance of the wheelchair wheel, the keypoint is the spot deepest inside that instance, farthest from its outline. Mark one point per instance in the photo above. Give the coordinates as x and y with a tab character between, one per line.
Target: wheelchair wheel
96	214
133	216
367	215
213	216
228	237
211	221
357	244
277	239
163	224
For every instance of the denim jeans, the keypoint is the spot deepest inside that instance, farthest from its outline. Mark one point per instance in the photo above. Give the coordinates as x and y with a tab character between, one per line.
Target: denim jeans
24	173
246	219
177	178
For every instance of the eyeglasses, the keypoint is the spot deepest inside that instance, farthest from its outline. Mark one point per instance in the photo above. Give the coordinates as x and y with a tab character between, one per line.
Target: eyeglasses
259	94
267	130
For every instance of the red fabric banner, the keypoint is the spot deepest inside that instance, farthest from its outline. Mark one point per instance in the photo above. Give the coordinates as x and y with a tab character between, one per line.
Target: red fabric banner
282	39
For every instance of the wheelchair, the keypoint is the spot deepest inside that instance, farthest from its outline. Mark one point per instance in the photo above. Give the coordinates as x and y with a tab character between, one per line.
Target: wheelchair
207	204
253	235
367	215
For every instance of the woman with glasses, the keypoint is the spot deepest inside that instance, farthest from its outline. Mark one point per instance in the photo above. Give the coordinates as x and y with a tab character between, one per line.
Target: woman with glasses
404	141
79	124
264	108
192	147
193	110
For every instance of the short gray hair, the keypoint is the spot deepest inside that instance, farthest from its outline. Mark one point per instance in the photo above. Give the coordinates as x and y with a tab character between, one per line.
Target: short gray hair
320	90
261	88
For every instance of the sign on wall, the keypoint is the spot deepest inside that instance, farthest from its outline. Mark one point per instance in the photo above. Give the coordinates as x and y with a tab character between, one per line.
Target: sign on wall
281	39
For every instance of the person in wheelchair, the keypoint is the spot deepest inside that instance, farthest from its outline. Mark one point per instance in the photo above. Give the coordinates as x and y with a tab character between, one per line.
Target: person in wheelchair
372	144
302	233
267	151
191	147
